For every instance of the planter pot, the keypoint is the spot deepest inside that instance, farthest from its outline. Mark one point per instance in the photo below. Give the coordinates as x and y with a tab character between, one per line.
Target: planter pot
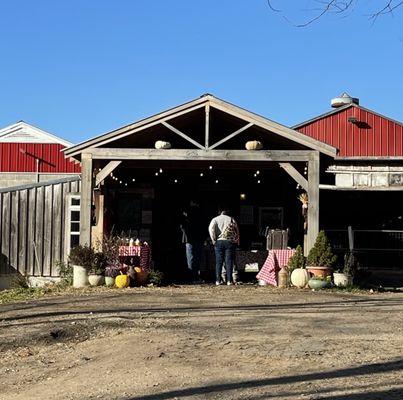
96	280
254	145
299	277
80	276
342	280
317	284
321	272
141	276
109	281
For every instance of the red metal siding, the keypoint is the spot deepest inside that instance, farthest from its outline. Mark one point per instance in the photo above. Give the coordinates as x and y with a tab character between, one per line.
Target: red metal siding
20	157
372	136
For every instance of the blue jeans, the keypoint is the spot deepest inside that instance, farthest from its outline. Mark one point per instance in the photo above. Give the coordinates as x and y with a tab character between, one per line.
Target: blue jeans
224	251
193	256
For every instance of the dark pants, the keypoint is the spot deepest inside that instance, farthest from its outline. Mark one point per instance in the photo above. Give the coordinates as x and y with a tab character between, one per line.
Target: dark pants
193	257
224	251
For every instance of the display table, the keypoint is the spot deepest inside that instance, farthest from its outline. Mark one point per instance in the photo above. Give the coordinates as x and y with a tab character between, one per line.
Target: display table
250	260
275	261
142	251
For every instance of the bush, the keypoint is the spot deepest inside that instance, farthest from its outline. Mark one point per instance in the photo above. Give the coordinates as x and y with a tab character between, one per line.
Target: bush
155	277
98	264
297	260
321	254
83	256
65	272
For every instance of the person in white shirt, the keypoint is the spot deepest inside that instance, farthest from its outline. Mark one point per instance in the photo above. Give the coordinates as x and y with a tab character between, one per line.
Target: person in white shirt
224	234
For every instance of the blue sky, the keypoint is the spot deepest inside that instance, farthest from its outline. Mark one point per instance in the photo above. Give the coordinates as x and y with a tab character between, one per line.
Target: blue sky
81	68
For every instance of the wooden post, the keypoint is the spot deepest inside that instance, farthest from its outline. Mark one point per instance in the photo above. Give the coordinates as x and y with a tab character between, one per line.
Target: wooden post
313	198
86	199
207	127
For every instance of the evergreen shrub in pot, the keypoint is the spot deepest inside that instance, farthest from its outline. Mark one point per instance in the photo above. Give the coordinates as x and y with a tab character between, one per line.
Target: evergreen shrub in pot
97	270
296	264
345	278
321	259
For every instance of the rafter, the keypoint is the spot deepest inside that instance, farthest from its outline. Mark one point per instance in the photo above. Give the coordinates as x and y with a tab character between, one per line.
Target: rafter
183	135
233	134
110	167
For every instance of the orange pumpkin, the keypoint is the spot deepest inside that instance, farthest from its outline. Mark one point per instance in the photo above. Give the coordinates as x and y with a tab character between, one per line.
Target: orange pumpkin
122	281
141	276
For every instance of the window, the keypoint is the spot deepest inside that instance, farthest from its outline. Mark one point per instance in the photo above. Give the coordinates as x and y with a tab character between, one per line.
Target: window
72	229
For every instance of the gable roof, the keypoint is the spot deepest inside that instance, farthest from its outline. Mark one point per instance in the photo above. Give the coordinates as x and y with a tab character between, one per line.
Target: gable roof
340	109
22	132
200	102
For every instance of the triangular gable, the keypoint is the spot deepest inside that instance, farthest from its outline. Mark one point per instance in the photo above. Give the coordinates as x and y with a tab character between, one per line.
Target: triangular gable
213	102
21	132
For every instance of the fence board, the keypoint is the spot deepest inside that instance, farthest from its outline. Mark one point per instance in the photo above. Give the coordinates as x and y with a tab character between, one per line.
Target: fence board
47	231
5	233
23	231
31	228
57	225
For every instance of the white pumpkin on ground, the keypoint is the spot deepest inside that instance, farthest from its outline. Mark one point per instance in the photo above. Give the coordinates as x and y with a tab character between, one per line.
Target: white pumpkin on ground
300	277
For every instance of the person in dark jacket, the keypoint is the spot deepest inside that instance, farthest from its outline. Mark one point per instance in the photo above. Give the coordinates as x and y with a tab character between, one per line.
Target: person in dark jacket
193	237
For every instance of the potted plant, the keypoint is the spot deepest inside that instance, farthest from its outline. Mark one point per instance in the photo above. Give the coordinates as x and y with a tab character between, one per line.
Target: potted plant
97	270
111	272
321	258
82	259
296	264
345	278
317	282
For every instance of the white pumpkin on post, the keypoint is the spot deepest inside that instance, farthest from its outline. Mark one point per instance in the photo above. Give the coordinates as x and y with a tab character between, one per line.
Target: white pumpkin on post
162	145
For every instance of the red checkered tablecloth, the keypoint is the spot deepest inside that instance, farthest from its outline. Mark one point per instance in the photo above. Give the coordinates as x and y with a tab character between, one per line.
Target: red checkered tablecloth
143	251
274	262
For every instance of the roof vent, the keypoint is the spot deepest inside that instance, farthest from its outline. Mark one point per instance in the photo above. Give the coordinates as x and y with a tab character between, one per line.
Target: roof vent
343	100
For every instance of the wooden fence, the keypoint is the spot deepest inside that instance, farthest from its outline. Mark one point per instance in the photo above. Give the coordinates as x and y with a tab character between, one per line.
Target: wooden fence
32	226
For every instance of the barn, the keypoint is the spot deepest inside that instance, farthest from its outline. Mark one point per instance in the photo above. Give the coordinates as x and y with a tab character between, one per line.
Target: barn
348	160
30	155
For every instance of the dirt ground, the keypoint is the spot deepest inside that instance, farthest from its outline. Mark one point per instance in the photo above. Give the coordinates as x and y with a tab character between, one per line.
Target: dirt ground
203	342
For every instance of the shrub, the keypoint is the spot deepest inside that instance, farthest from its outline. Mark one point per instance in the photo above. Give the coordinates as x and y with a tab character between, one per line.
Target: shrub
65	272
98	264
321	254
82	255
297	260
155	277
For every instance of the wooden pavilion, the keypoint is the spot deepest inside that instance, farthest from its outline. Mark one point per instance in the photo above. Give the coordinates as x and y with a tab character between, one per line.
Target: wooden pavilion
201	132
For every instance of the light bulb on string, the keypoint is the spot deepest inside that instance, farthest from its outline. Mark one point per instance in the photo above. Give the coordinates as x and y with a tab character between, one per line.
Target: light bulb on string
175	181
210	167
160	171
156	174
257	172
258	181
216	181
125	184
120	182
201	174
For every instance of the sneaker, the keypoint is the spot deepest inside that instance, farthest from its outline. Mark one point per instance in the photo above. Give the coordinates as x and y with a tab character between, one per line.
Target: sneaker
217	283
229	283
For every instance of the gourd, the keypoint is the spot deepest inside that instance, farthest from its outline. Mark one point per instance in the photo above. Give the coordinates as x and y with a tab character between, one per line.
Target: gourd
161	145
141	275
122	281
300	277
254	145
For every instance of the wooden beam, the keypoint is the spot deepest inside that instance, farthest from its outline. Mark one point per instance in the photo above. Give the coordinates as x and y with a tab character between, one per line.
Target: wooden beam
313	199
362	188
183	135
199	155
86	199
233	134
294	173
110	167
207	126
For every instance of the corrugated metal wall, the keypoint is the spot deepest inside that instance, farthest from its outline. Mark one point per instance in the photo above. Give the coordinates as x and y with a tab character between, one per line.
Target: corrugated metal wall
372	135
21	157
32	226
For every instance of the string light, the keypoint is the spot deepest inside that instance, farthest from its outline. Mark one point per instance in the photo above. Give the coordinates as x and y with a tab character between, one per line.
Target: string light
258	181
257	172
160	170
175	181
210	167
156	174
216	181
201	174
